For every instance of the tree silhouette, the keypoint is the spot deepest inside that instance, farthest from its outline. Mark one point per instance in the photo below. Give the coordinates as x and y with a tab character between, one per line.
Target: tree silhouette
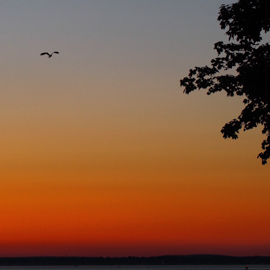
248	58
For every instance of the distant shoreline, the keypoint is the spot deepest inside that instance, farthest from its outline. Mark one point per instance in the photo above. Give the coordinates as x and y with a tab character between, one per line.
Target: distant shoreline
155	260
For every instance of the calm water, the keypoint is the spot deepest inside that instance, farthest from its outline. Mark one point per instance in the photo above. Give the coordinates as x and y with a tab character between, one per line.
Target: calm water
126	267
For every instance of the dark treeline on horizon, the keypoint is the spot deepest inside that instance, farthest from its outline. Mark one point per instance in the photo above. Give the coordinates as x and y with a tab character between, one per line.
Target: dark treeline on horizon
157	260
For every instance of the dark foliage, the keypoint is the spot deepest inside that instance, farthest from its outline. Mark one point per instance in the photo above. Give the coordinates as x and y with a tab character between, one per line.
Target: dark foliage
249	59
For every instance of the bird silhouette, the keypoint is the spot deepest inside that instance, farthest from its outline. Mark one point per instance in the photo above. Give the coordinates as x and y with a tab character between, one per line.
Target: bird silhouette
49	55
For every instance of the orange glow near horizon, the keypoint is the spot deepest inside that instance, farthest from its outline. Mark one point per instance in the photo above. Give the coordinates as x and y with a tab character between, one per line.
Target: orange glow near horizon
59	215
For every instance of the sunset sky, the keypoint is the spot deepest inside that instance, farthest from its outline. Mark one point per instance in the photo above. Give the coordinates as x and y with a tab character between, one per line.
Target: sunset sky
101	152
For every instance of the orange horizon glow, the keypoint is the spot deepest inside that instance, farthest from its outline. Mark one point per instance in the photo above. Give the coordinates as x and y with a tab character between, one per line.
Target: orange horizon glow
131	218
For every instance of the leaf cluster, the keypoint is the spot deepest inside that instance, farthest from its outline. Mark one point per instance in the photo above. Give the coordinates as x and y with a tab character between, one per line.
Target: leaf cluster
248	59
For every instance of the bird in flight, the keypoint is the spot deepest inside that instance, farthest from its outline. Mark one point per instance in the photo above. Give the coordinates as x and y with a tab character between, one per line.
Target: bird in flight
49	55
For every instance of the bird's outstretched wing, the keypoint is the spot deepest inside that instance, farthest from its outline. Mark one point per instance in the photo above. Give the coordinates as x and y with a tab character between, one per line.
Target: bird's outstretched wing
44	53
56	52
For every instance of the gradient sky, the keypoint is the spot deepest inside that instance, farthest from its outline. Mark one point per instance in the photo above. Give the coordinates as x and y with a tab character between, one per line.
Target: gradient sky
101	152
